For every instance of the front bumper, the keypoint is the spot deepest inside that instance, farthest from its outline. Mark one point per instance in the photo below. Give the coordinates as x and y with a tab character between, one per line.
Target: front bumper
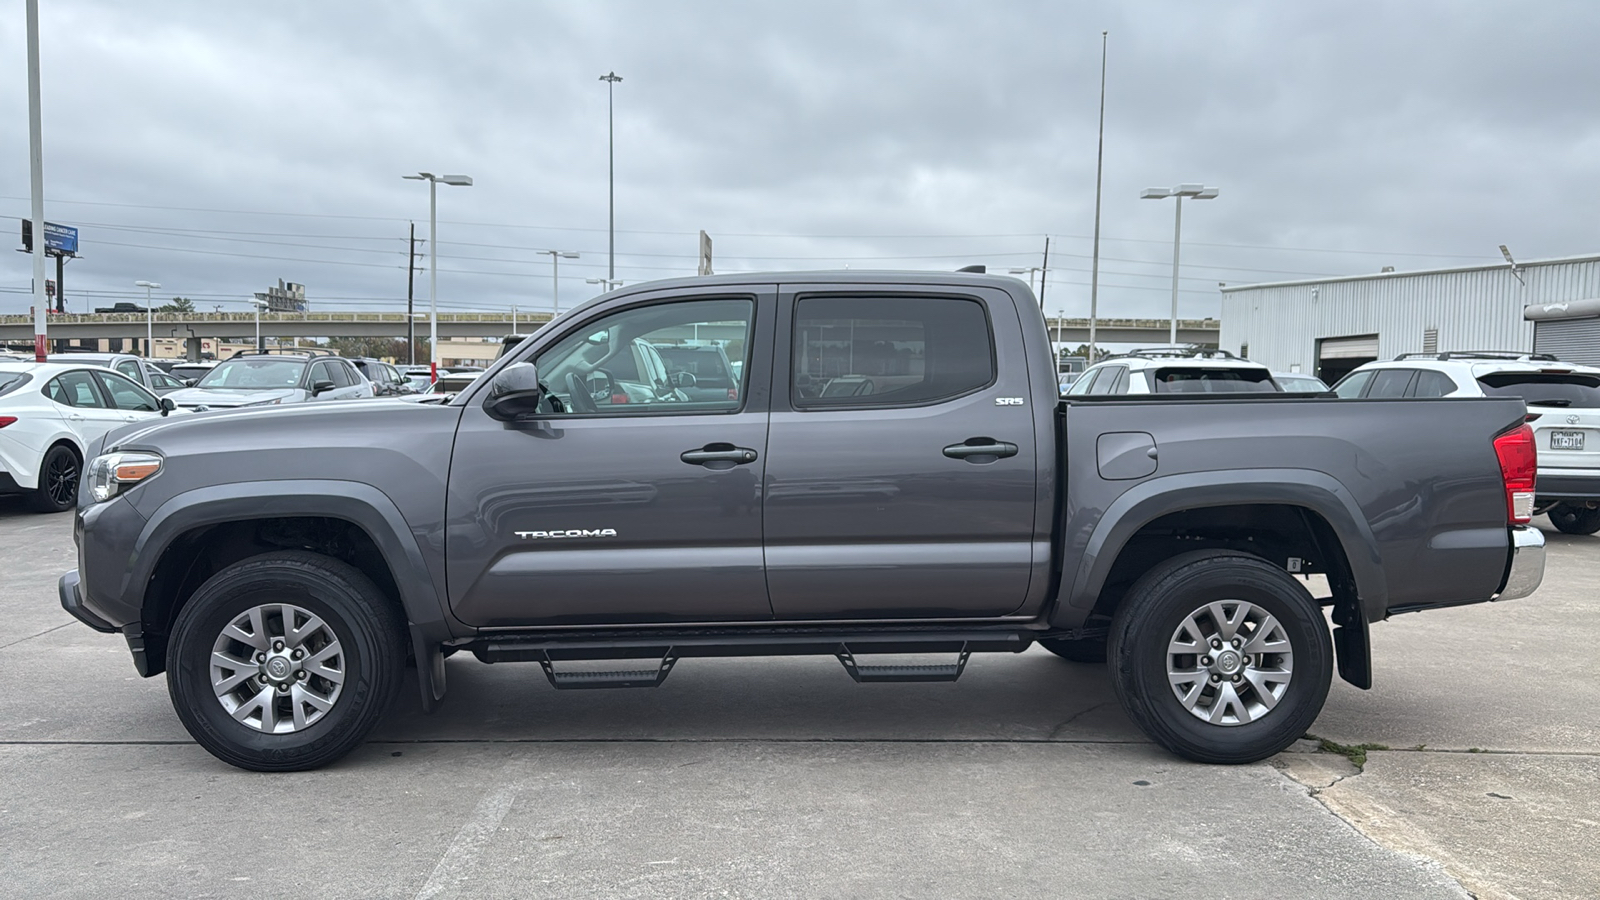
1526	570
69	587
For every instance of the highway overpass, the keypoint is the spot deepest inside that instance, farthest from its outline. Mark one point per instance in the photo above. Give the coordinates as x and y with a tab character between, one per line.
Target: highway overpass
18	330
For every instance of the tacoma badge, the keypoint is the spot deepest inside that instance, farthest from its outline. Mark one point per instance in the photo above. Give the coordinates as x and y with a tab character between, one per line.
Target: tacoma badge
567	533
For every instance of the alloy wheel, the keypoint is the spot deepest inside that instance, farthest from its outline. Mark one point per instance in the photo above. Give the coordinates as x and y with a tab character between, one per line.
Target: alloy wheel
1229	662
277	668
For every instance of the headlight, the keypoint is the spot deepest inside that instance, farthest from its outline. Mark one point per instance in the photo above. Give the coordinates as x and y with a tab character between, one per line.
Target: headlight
273	402
111	473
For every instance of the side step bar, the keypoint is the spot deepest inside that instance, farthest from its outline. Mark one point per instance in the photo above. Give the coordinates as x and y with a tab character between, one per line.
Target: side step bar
663	654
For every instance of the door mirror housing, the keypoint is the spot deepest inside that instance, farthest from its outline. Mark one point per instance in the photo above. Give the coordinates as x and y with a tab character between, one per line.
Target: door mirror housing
682	379
168	405
321	387
514	392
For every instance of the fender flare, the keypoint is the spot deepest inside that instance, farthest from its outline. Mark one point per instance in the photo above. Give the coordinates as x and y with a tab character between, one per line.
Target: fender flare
1317	491
421	589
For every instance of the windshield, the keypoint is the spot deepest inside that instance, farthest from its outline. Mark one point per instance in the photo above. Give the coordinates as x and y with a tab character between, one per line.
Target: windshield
1545	388
254	373
1191	380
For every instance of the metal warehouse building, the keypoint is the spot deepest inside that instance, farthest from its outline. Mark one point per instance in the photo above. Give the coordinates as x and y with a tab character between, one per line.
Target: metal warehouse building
1330	326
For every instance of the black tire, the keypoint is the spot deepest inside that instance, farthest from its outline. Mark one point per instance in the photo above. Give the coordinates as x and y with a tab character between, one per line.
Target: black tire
1081	650
59	474
1571	519
1148	621
372	643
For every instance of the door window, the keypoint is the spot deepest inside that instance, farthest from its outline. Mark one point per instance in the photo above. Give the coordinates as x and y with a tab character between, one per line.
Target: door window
1084	382
615	365
319	372
342	374
74	389
1390	383
129	368
1432	384
1107	382
126	395
889	351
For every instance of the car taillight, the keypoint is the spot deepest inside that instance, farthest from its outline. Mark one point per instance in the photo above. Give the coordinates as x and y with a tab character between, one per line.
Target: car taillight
733	393
1519	466
618	398
6	420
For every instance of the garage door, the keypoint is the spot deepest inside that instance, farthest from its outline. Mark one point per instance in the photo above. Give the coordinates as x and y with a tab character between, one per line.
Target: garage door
1573	340
1365	345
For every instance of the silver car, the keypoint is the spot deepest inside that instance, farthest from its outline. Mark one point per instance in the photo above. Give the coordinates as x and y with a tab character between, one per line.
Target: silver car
274	377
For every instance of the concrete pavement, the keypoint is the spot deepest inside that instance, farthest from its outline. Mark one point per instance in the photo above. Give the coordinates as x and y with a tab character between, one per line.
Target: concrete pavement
782	777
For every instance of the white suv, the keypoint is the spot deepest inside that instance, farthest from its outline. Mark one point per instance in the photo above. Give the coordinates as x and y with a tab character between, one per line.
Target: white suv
1168	370
1563	408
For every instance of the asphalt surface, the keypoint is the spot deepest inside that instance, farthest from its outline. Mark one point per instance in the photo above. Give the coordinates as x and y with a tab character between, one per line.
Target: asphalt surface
783	778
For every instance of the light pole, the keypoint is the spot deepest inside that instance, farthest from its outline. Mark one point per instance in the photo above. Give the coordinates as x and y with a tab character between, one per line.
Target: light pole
1194	192
149	318
1029	271
611	79
259	305
433	258
556	256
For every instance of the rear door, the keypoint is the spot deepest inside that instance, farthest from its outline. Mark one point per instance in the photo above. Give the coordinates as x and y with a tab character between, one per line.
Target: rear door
624	501
900	479
87	413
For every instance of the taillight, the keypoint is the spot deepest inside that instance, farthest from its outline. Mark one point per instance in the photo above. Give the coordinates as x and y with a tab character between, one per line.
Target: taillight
733	393
1519	466
618	399
6	420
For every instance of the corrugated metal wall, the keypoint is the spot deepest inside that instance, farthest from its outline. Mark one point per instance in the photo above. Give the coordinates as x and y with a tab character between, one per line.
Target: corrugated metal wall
1473	309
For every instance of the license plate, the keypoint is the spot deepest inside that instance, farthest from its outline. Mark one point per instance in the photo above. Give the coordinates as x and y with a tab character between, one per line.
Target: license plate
1566	440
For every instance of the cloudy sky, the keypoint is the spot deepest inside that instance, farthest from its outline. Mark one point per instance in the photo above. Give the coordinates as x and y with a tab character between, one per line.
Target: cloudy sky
217	147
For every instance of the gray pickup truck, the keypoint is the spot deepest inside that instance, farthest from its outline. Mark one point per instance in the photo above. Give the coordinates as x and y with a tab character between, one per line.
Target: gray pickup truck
893	473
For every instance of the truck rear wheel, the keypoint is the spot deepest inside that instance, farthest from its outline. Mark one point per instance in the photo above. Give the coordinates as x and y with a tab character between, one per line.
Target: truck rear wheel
1571	518
1220	657
285	661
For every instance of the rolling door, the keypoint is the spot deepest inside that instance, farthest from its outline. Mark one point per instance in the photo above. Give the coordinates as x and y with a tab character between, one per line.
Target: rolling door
1337	356
1571	340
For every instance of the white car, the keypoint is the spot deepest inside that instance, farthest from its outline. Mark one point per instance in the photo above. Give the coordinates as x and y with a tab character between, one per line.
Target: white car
1563	408
49	415
1174	370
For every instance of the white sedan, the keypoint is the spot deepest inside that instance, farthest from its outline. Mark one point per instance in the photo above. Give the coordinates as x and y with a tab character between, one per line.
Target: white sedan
49	415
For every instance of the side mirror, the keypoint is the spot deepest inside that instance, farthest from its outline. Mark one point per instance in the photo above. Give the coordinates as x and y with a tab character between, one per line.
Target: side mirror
514	392
683	379
321	387
189	382
167	405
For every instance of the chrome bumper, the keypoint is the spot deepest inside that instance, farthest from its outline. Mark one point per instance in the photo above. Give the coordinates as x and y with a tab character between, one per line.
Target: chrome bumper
1527	563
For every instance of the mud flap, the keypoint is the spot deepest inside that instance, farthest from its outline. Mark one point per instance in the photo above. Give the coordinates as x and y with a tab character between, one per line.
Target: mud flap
430	670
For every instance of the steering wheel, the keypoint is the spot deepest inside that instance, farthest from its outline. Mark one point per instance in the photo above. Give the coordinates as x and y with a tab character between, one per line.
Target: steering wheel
578	395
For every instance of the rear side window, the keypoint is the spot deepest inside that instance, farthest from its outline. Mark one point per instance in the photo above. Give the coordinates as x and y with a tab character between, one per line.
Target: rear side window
1352	385
889	351
1572	389
74	389
1196	380
1084	382
1108	380
1432	384
129	368
10	381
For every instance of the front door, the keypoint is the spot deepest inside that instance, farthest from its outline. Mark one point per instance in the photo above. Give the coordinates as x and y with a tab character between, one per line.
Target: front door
629	498
901	474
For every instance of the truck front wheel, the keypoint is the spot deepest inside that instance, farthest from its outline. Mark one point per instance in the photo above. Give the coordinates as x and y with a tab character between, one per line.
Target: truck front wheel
1220	657
285	661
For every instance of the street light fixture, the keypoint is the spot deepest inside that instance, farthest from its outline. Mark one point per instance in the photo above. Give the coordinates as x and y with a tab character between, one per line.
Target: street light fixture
1193	192
433	257
556	256
1029	271
149	318
611	79
606	284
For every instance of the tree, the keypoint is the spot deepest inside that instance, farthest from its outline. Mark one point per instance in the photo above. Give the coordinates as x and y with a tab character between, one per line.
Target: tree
178	305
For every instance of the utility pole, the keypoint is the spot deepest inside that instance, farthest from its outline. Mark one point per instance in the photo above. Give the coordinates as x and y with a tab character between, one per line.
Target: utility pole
411	272
1044	272
611	79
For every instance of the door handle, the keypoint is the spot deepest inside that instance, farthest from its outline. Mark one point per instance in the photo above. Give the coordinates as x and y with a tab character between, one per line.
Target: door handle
981	450
718	456
75	418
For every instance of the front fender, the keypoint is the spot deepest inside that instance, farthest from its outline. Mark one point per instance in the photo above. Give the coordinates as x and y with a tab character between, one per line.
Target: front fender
421	586
1149	500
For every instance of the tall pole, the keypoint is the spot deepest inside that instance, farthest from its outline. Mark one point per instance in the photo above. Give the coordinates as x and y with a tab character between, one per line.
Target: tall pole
611	79
411	271
36	184
555	282
433	280
1099	165
258	326
1044	272
149	320
1177	231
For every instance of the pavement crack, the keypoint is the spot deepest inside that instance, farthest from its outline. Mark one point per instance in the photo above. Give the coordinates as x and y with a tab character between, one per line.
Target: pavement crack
1075	717
32	636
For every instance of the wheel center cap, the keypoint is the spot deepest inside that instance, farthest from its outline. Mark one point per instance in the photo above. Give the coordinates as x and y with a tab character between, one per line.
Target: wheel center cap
1228	662
278	668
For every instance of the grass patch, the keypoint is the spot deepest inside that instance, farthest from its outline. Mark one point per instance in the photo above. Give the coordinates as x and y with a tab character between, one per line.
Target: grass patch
1356	753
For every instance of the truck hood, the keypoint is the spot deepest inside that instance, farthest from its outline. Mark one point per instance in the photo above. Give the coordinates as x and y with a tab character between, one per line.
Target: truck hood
223	398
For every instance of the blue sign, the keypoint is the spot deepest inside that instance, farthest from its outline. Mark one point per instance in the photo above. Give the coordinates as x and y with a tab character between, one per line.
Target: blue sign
60	238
